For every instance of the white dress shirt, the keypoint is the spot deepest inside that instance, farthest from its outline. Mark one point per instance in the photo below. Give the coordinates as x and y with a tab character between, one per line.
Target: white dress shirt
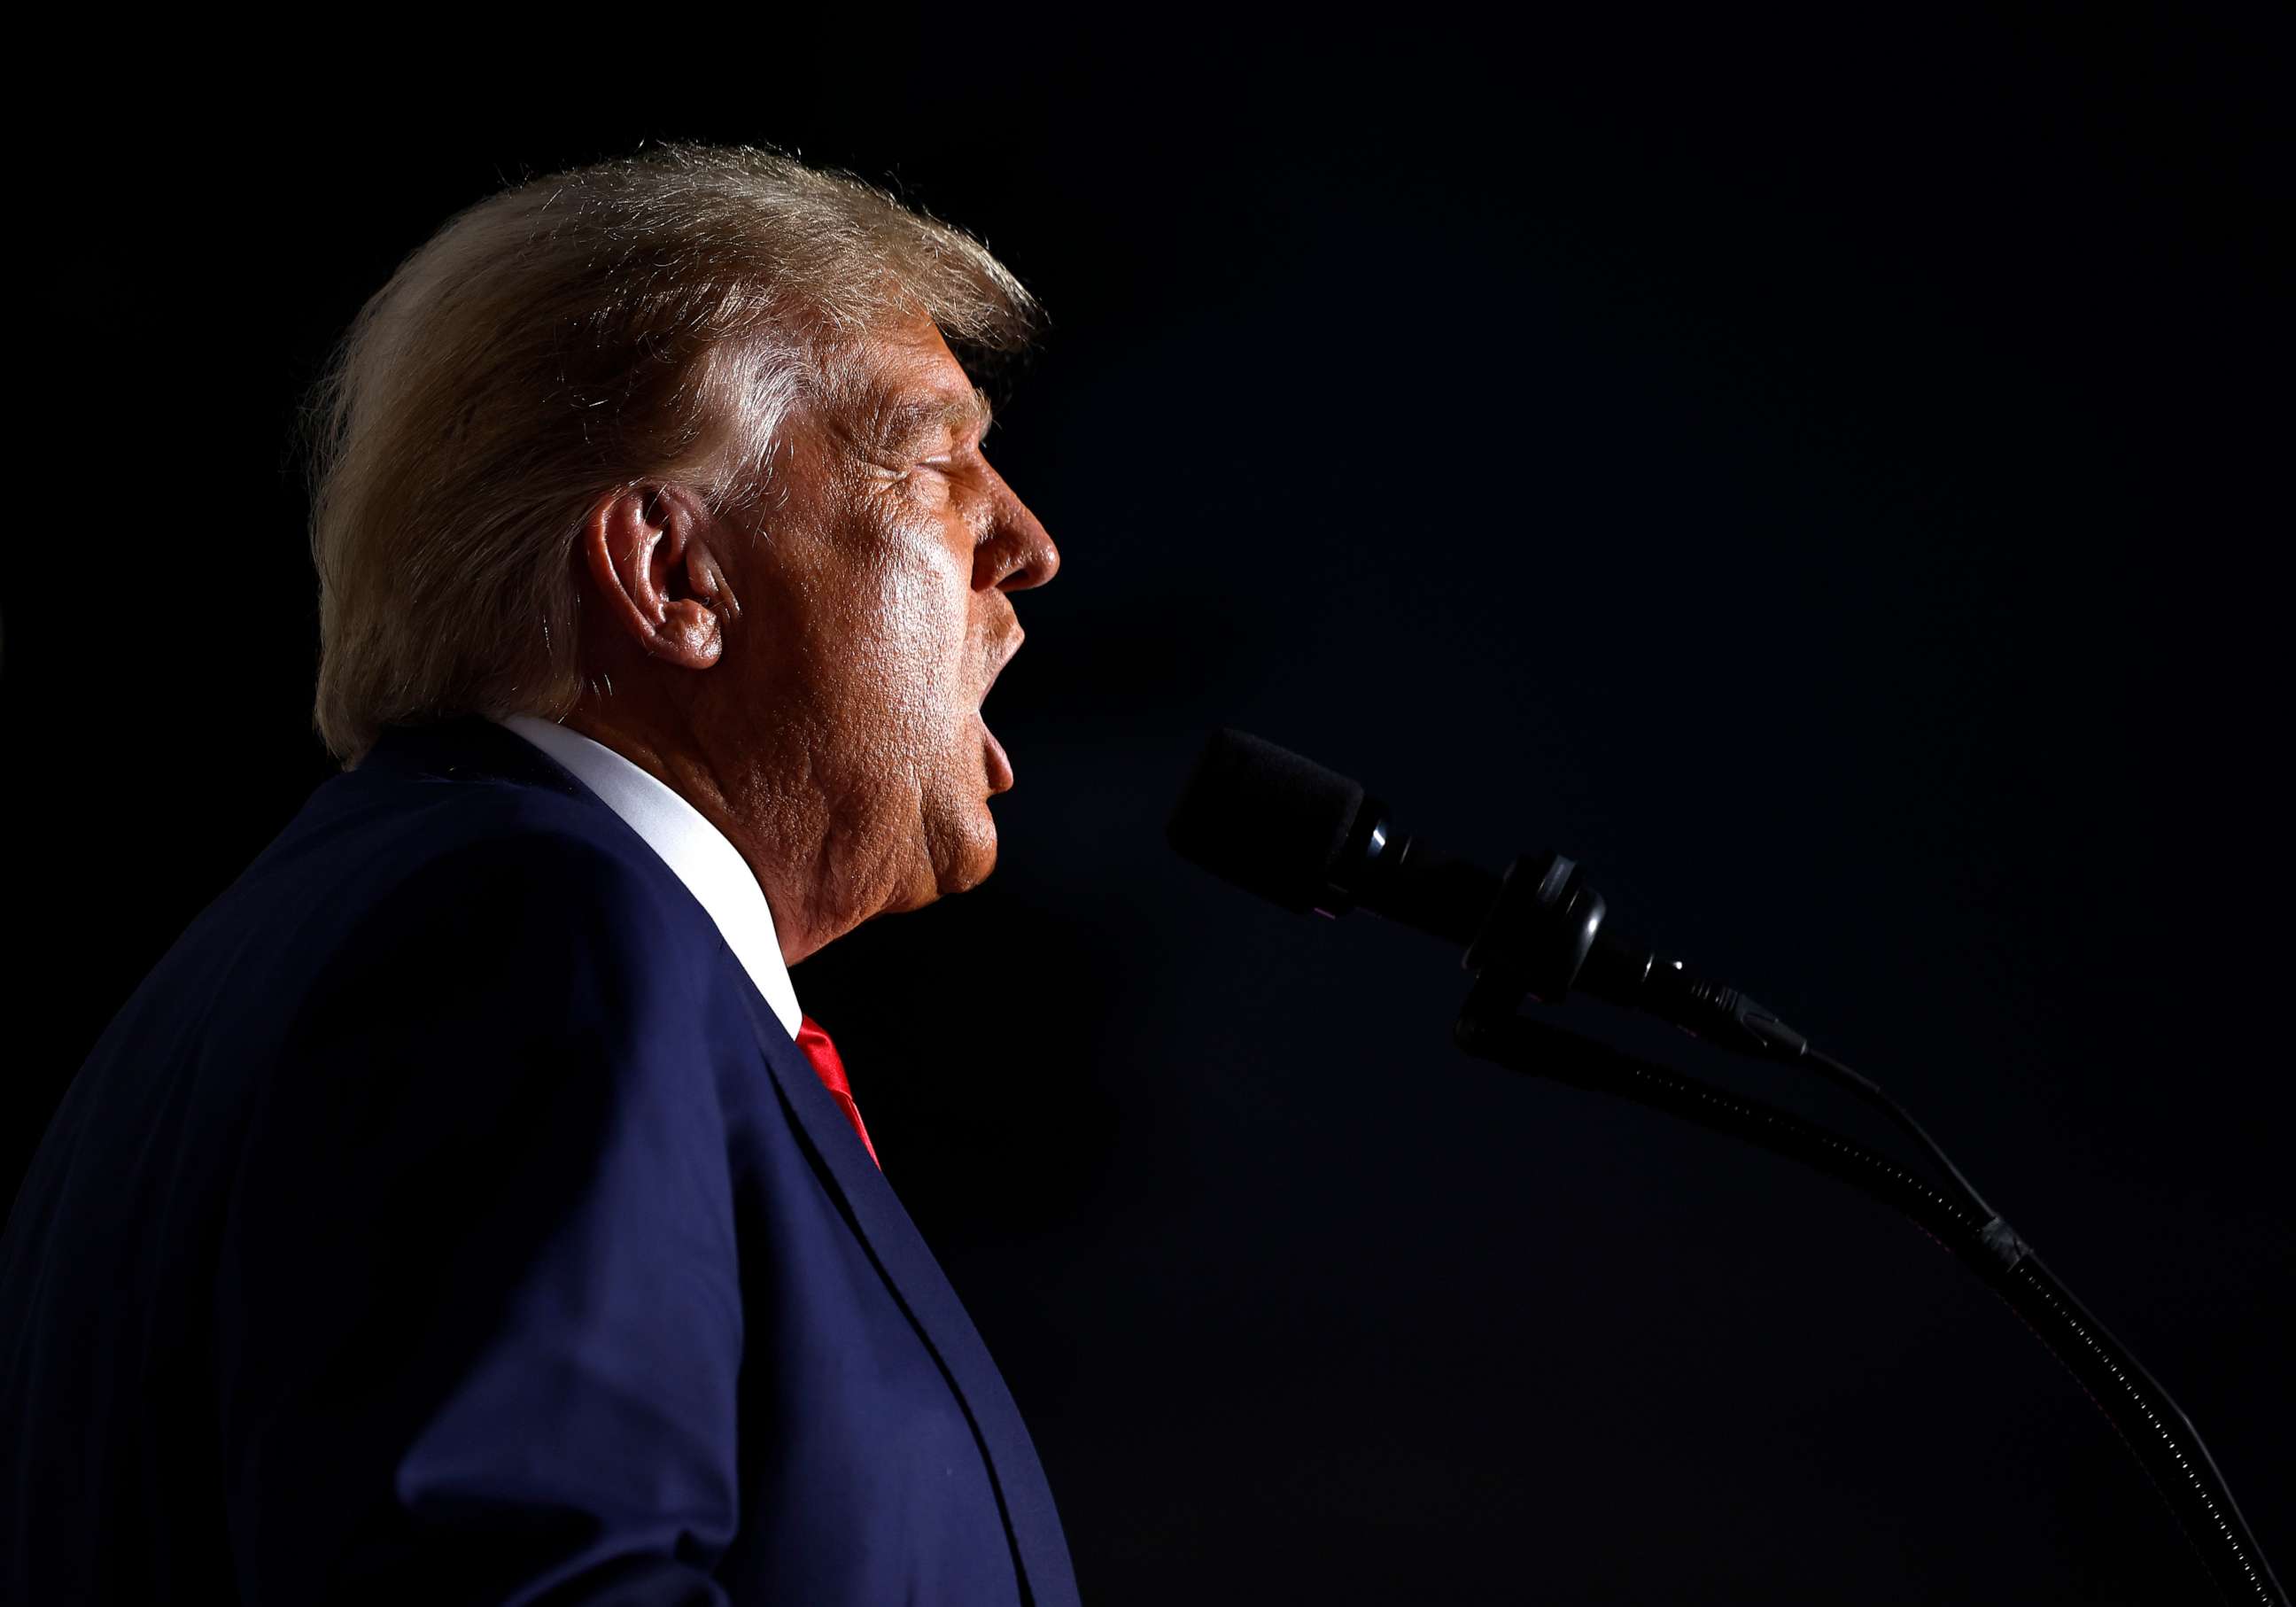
696	852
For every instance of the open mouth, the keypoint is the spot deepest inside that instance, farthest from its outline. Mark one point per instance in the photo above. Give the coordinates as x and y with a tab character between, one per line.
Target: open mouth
999	762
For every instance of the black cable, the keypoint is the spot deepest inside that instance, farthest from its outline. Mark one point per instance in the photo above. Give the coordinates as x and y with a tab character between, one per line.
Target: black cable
1870	1091
2155	1429
2145	1396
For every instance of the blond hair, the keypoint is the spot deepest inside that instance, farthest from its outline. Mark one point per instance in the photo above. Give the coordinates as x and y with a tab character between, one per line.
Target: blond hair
655	315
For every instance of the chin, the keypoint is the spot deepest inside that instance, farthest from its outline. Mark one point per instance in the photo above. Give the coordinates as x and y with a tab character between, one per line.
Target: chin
960	854
973	870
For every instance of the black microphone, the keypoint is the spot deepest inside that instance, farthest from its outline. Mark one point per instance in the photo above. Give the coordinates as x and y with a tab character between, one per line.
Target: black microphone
1309	838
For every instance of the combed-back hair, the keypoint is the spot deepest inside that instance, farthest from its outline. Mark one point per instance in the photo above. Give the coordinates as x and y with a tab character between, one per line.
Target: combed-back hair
656	316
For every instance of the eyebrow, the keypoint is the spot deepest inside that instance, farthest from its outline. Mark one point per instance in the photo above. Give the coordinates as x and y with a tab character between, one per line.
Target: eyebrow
903	424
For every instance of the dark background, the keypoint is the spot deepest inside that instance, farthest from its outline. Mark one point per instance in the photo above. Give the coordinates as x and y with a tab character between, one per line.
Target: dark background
1826	478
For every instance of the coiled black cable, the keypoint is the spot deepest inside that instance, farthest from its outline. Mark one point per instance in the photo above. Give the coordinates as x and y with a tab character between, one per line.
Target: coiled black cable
2150	1423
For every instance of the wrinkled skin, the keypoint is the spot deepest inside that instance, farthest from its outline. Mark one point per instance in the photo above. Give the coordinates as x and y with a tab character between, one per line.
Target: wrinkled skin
810	678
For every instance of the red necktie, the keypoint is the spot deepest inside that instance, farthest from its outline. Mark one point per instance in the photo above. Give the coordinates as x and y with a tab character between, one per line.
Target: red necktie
830	1068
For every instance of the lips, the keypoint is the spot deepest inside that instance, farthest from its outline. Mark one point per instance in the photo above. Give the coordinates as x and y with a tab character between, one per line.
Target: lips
1000	766
1012	646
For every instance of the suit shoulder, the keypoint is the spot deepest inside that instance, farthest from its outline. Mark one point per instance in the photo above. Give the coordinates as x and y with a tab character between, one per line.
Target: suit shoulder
366	843
528	876
397	893
522	932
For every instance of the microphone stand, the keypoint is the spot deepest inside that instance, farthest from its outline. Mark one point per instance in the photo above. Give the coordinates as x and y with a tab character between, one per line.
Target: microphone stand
2164	1442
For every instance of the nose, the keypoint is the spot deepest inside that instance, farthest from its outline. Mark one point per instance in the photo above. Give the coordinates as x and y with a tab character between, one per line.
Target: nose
1018	553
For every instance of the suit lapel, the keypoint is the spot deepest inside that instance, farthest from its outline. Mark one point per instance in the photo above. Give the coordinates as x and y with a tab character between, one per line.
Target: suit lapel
924	1292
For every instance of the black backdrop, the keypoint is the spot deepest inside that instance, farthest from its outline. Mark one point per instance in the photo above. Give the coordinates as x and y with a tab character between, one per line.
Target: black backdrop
1826	478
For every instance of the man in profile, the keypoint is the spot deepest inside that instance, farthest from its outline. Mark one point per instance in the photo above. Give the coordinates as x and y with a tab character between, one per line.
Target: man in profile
464	1210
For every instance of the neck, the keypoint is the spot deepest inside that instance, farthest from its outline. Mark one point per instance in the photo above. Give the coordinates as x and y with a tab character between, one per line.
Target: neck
753	814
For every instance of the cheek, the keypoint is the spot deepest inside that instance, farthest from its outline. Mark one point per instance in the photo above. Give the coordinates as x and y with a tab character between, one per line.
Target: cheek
898	648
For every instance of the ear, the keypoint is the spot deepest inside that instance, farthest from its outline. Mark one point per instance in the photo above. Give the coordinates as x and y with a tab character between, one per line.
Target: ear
649	550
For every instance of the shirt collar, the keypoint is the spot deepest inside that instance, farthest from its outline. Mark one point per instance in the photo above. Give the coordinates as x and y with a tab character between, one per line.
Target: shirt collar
697	852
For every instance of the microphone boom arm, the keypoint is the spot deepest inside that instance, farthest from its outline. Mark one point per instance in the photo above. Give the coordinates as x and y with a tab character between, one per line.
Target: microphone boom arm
2153	1426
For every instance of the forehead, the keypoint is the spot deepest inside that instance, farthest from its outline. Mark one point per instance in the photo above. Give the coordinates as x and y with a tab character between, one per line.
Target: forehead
903	382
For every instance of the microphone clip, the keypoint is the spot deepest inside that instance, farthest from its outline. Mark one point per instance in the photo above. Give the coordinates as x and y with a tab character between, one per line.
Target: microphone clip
1537	937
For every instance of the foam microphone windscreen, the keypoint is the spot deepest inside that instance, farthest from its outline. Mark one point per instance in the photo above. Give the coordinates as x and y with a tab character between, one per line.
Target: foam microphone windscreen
1264	818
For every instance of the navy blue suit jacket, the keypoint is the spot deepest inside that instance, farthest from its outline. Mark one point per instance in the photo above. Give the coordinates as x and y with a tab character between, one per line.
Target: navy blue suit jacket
447	1218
